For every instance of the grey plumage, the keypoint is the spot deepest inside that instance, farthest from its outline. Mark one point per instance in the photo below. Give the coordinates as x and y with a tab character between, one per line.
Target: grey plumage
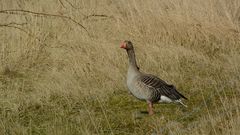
146	86
159	88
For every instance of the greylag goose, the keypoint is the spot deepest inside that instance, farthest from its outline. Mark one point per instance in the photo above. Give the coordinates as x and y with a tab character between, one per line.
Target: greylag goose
148	87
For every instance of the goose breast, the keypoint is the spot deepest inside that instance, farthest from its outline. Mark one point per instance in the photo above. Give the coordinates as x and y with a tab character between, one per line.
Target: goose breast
137	88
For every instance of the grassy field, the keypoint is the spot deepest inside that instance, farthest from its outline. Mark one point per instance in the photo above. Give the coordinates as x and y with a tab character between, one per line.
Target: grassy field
62	71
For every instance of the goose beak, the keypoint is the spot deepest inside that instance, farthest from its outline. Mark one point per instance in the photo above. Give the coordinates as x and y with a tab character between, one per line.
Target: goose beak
123	45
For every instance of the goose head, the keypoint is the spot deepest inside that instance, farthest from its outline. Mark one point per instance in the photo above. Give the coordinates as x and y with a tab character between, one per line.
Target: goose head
127	45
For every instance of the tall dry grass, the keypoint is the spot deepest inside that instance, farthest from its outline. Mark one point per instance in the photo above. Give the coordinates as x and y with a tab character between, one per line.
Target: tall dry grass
62	71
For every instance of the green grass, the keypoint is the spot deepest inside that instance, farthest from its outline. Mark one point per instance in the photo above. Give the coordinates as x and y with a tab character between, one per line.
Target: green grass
58	78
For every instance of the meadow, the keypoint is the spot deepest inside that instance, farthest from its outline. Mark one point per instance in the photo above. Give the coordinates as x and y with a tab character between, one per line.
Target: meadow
62	71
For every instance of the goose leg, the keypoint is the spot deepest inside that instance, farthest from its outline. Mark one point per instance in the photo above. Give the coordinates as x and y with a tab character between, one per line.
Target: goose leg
150	108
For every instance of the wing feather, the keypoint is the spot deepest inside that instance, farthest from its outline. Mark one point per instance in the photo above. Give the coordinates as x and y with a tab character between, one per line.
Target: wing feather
160	87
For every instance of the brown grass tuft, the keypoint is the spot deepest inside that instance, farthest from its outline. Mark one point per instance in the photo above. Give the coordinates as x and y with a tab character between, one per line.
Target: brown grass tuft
62	71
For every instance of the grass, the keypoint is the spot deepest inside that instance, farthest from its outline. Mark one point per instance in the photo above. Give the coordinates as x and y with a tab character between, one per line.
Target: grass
62	71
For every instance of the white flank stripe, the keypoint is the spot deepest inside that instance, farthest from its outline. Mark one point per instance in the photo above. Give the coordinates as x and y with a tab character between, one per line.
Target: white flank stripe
165	99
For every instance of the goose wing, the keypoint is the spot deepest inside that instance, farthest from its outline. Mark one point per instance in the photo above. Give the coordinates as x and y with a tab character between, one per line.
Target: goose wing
160	88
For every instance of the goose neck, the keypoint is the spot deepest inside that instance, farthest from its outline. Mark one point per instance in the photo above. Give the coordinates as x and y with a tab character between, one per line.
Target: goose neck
132	59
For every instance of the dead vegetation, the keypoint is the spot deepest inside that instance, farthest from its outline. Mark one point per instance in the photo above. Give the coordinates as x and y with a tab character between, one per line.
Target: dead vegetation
62	71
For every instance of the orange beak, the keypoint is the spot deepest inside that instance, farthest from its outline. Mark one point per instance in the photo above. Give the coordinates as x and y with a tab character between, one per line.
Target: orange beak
123	45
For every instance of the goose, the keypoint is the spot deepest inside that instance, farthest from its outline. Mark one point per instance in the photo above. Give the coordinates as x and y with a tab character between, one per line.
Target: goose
148	87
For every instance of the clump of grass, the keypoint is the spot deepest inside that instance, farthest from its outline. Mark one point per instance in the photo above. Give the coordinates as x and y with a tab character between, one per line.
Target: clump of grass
57	79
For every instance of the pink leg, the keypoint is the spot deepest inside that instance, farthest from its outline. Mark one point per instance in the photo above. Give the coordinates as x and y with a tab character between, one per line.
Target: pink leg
150	108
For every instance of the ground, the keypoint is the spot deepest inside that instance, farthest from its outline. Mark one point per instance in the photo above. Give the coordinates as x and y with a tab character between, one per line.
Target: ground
62	70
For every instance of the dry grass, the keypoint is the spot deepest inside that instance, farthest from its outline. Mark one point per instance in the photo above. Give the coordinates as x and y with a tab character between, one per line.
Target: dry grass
58	78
